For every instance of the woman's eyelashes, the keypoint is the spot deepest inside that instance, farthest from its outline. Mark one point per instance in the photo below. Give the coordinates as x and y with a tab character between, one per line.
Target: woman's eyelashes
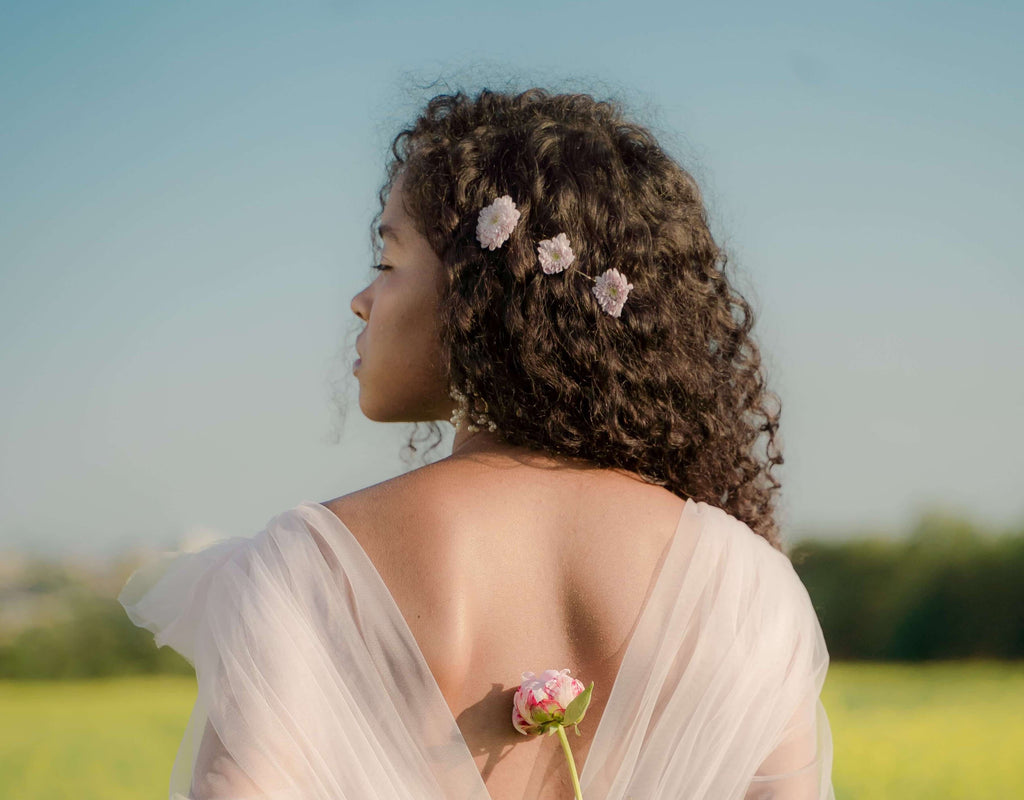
380	267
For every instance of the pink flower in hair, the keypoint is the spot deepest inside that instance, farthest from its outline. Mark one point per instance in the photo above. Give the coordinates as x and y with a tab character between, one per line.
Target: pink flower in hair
496	223
555	254
611	290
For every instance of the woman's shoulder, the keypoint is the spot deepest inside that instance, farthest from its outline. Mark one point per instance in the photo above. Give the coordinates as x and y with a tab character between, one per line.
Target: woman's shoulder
437	511
454	512
412	518
471	543
467	505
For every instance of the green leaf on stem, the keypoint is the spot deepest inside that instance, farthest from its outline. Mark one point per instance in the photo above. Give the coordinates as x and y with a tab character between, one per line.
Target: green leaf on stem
578	707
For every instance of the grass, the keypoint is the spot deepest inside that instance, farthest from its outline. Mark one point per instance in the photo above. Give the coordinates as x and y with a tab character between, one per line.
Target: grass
950	731
112	739
942	731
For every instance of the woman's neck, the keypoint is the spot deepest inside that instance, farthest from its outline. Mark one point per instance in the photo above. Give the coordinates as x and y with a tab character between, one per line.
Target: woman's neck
482	446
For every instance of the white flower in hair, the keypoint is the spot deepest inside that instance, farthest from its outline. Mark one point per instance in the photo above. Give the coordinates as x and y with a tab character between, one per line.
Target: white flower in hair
555	254
611	290
496	223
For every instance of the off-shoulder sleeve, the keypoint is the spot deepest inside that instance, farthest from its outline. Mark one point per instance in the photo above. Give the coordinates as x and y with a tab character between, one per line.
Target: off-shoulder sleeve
799	765
306	685
718	693
167	595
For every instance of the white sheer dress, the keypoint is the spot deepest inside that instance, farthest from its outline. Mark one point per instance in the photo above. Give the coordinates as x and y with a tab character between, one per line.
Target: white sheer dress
311	685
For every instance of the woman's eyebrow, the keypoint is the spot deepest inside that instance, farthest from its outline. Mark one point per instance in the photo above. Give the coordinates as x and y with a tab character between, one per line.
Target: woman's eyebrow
388	231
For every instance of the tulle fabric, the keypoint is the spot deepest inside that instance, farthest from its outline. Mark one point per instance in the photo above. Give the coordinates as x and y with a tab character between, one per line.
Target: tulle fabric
311	685
718	694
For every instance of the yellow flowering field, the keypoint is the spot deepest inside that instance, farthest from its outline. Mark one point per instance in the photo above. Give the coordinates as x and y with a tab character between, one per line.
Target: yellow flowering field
91	740
934	730
914	732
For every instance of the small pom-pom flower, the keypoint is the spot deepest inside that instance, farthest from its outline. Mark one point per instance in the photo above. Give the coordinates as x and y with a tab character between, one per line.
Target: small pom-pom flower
544	702
555	254
611	290
496	223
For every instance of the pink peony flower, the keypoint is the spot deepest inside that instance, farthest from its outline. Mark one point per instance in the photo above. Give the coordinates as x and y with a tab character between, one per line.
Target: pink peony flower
547	705
555	254
540	703
496	223
611	290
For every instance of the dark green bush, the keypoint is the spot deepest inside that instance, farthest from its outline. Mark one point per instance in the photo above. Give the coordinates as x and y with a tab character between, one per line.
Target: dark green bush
945	591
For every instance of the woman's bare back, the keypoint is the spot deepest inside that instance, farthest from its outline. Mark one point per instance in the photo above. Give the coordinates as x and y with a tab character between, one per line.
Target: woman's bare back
501	566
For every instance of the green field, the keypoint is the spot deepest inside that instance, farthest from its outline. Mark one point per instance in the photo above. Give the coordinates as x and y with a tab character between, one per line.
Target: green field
927	732
935	730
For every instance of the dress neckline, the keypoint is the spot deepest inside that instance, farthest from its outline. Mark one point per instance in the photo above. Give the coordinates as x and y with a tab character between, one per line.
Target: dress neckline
689	507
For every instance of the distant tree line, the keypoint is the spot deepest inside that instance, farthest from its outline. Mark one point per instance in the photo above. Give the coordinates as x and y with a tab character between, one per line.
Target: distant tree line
945	591
68	624
97	639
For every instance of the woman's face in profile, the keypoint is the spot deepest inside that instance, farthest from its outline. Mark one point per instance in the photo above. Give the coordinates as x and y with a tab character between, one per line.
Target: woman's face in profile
398	369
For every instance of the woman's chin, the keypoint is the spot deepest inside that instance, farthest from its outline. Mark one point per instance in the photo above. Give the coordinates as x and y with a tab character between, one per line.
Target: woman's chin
374	412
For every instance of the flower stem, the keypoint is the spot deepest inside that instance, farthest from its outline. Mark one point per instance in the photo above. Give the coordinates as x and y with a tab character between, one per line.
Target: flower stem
572	764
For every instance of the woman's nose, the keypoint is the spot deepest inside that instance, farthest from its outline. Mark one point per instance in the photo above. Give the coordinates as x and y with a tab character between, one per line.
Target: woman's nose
360	306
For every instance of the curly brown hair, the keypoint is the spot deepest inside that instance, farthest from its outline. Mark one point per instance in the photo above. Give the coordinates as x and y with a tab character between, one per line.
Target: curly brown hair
673	390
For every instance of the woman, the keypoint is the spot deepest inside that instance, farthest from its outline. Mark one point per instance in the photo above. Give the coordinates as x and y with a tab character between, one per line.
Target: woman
548	282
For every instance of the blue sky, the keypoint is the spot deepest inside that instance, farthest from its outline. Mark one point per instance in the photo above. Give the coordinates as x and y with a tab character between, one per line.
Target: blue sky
185	191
